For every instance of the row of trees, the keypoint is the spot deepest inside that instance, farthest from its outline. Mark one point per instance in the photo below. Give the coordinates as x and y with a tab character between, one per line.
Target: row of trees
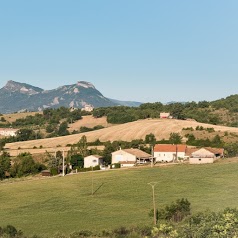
22	165
50	116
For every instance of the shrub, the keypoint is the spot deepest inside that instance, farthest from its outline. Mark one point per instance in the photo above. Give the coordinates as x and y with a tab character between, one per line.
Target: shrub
210	130
188	129
176	211
54	171
25	165
115	166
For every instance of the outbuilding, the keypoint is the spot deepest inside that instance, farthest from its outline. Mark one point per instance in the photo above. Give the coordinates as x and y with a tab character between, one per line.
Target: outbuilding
130	157
206	155
92	161
46	173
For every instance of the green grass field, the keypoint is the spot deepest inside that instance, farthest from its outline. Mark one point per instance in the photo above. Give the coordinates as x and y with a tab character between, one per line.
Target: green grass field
65	204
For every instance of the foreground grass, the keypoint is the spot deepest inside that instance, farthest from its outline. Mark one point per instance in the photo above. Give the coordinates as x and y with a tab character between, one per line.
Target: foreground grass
122	197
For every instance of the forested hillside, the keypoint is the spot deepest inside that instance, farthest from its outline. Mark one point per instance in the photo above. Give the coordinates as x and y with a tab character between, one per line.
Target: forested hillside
220	112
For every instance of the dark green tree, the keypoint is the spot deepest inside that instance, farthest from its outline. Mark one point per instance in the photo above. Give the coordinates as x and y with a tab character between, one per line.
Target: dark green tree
63	129
176	211
175	138
150	139
25	165
77	161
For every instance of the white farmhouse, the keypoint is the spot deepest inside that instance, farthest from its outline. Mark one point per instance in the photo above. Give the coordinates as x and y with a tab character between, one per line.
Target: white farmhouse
130	157
87	108
165	115
169	153
205	155
92	161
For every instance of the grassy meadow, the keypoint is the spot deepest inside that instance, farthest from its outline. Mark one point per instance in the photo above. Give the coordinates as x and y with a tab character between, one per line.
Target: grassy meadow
121	197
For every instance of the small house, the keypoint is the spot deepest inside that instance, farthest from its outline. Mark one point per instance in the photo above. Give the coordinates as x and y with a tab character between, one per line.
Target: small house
130	157
92	161
46	173
165	115
206	155
169	153
87	108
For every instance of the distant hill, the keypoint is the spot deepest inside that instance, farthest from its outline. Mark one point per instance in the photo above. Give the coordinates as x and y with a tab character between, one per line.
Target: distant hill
15	97
161	128
126	103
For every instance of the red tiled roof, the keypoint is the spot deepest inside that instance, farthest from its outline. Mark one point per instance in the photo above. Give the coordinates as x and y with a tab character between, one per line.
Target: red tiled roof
215	150
191	150
138	153
170	148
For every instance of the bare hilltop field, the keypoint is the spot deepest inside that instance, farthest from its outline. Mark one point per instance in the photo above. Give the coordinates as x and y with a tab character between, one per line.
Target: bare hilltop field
161	128
11	117
90	122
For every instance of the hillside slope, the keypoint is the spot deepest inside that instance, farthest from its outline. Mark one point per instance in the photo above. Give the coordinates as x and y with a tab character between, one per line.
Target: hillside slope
122	197
127	132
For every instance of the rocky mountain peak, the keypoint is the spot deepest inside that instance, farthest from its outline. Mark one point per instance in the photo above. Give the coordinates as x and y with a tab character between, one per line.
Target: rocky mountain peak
85	84
16	97
12	86
23	88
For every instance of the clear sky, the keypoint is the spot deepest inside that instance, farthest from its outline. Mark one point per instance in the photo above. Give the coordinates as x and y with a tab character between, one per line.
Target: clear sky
142	50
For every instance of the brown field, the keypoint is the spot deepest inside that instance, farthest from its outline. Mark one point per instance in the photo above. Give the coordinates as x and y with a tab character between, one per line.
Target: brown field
161	128
14	116
89	121
50	150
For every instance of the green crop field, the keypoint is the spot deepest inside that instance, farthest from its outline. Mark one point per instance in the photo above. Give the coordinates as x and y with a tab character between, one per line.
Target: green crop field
122	197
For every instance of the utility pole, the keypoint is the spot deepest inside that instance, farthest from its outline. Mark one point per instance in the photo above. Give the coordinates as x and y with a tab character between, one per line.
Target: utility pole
176	152
92	181
152	184
152	153
63	164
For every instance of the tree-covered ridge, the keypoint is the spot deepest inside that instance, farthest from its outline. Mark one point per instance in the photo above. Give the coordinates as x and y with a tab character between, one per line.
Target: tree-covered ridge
230	103
223	111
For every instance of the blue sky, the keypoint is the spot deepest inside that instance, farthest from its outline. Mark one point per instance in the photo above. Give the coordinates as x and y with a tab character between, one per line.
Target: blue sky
150	50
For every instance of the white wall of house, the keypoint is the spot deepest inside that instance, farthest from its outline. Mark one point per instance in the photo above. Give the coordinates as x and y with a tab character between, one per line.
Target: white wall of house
127	165
164	115
92	161
167	156
201	160
202	156
121	155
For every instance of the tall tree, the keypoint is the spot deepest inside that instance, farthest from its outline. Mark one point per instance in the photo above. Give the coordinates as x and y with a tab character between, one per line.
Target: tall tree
175	138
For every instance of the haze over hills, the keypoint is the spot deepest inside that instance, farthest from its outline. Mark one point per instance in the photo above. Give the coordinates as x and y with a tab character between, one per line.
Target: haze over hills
15	96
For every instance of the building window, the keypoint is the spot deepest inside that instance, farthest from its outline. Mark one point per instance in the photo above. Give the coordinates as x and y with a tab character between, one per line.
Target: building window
94	161
199	159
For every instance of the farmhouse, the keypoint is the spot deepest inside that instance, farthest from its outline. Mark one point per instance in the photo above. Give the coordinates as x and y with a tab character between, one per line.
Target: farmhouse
92	161
205	155
8	132
164	115
130	157
88	108
169	153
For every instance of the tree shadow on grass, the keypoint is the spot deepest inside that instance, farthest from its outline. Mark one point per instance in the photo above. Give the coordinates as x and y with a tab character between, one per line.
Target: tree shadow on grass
98	188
